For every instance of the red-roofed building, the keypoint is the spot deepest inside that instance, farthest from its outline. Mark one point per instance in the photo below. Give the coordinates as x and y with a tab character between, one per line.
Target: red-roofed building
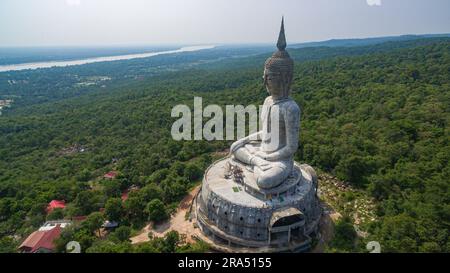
41	241
124	196
125	193
110	175
54	204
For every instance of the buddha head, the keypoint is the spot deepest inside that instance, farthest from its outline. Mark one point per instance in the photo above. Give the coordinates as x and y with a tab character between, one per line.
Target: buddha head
278	69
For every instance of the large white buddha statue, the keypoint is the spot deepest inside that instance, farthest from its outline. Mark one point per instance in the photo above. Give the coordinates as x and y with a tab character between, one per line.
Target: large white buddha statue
269	153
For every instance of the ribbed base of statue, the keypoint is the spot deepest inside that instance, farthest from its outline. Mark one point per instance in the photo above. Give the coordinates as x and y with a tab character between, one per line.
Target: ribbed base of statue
235	215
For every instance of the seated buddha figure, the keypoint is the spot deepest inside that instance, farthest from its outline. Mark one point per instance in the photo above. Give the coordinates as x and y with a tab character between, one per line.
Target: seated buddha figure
269	153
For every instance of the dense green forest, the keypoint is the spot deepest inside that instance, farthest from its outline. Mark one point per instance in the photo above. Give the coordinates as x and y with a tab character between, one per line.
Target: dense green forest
375	116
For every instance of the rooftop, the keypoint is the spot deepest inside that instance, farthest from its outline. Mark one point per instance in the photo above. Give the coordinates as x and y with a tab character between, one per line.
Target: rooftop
41	240
110	175
51	224
235	193
56	204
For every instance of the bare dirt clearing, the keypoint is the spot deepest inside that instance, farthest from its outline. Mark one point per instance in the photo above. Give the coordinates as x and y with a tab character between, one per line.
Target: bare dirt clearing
177	222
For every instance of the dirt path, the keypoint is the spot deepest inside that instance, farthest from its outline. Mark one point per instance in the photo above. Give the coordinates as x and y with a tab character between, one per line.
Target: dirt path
177	222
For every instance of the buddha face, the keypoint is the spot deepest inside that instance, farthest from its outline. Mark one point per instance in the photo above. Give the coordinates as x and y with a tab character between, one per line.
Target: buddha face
276	84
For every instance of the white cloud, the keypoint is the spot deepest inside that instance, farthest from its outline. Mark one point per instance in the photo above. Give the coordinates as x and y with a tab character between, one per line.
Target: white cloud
73	2
374	2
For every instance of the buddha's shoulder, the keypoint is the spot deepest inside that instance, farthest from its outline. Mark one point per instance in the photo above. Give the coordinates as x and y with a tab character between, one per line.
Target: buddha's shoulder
288	105
268	100
291	106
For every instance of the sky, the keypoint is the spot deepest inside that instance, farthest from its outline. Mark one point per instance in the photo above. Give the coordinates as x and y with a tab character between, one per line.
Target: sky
151	22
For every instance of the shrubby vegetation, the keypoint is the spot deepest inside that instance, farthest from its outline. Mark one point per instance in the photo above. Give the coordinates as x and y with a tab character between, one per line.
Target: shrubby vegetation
344	237
375	116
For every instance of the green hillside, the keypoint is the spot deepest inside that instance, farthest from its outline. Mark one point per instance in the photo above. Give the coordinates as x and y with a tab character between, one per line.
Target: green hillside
375	117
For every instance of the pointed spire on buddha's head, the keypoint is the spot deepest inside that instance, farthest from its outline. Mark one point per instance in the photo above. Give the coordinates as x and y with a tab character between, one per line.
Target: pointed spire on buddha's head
280	60
281	64
281	44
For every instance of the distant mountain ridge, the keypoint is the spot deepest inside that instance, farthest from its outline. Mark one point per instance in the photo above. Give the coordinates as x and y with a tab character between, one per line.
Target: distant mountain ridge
352	42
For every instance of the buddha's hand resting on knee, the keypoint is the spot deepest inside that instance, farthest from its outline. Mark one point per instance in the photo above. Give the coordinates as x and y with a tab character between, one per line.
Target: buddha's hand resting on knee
261	163
262	155
237	144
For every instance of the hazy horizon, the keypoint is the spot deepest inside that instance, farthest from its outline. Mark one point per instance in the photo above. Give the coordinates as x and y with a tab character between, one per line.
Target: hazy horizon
216	44
91	23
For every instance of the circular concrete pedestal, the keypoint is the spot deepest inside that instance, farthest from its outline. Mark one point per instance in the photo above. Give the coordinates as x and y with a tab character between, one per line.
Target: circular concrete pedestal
234	213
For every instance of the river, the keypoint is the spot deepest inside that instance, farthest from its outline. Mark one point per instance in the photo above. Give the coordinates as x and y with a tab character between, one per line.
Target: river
23	66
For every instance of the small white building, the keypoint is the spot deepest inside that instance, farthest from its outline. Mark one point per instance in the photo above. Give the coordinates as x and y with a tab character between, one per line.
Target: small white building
51	224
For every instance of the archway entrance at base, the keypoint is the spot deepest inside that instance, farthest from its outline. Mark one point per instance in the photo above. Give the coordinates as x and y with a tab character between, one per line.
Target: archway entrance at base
286	225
